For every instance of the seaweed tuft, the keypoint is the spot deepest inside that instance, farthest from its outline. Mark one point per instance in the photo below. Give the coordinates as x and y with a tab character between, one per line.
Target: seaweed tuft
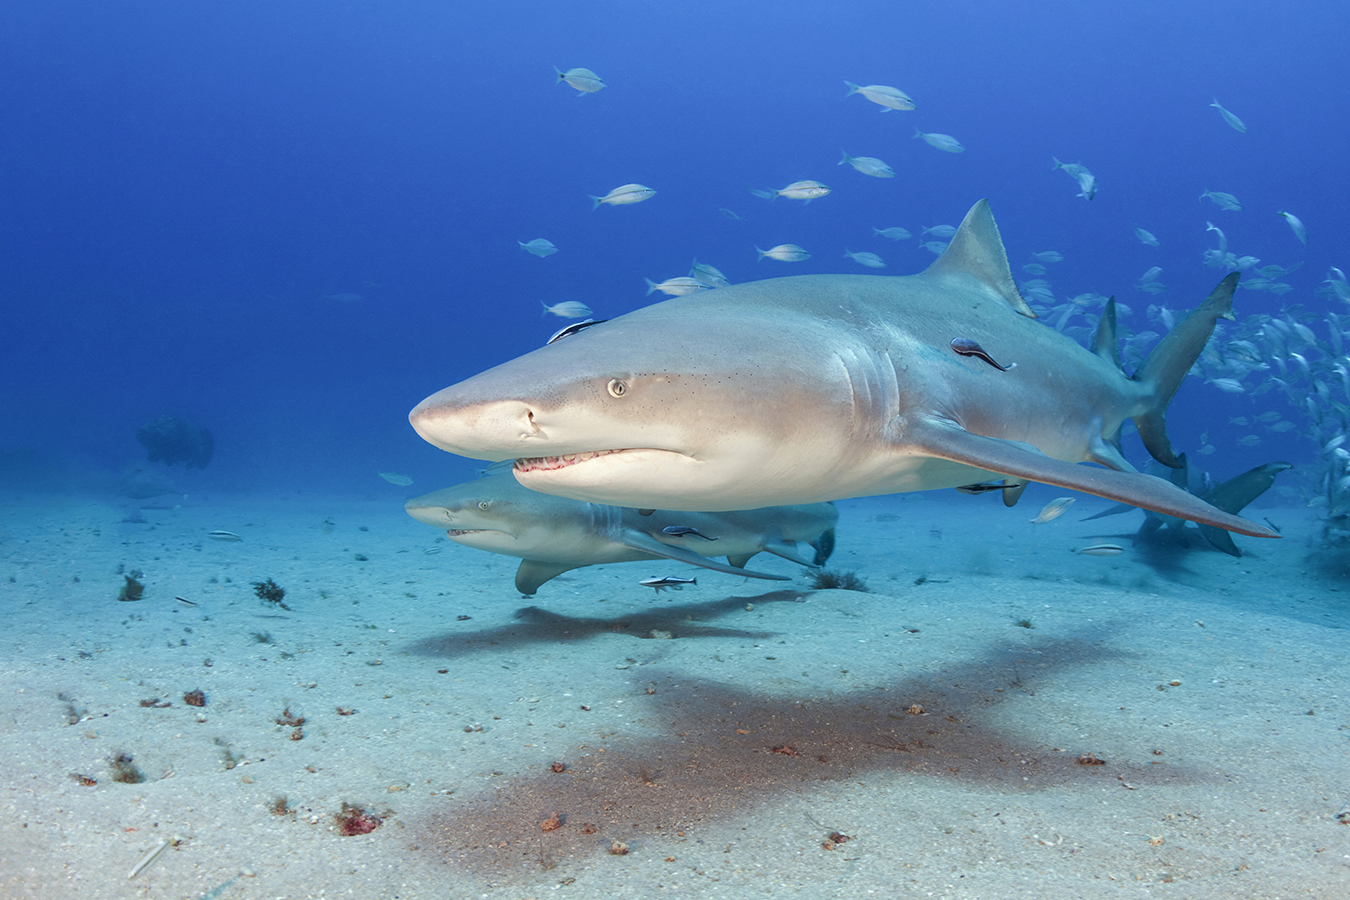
270	592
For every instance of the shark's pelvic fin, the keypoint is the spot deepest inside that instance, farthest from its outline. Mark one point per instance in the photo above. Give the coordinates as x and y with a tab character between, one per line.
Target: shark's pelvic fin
1165	368
976	251
947	440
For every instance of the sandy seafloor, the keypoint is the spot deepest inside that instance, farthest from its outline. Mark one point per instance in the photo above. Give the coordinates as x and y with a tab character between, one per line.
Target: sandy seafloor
1214	689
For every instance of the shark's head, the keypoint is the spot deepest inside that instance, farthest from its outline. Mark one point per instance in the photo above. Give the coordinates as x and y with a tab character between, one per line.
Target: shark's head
477	514
667	407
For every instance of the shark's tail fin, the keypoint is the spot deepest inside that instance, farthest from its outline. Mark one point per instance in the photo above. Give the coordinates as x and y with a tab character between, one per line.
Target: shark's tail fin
1165	368
1233	496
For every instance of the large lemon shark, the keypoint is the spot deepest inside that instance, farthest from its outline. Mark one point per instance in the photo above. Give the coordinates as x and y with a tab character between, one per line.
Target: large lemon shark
552	535
820	387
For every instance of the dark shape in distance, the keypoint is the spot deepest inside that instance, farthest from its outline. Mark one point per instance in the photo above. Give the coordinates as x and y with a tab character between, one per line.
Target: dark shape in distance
171	440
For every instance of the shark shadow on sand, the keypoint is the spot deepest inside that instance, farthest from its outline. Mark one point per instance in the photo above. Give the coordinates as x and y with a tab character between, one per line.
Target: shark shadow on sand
539	626
727	750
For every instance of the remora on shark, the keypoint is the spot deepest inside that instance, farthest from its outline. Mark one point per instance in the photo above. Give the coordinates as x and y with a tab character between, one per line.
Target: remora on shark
552	535
821	387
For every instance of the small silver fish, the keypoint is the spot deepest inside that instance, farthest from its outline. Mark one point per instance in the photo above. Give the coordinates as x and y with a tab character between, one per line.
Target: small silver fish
568	309
539	247
623	195
1049	256
395	478
1145	237
730	214
863	258
868	165
1053	510
676	287
943	142
221	535
185	601
942	232
1228	385
882	95
784	253
1233	121
1223	201
1299	231
711	276
581	78
674	582
685	530
934	247
1102	550
896	233
803	190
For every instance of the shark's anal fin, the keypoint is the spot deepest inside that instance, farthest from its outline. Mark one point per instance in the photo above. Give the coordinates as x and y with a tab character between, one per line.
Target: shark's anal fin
947	440
648	544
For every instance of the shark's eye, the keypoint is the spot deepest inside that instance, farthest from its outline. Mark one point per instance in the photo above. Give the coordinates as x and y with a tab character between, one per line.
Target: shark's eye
617	388
484	504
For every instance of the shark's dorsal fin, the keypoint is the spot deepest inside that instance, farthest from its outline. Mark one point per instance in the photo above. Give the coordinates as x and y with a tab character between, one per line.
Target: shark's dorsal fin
976	251
1104	342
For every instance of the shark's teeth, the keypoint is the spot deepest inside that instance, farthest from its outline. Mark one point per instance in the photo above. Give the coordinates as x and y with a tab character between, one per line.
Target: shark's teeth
538	463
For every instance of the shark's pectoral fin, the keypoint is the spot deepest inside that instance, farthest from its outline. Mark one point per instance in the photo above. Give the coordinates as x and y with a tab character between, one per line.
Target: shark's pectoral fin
532	573
1012	491
740	559
947	440
648	544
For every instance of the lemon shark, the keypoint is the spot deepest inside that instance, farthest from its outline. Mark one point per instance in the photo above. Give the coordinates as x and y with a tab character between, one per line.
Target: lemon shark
821	387
1231	496
552	535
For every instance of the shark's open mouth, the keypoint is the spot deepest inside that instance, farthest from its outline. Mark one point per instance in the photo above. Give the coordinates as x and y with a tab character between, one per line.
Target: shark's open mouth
543	463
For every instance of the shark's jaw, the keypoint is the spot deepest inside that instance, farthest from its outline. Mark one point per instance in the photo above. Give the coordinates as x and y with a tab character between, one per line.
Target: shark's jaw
641	477
545	463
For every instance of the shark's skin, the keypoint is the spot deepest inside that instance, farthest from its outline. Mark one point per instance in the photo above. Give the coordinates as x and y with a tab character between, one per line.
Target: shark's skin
821	387
552	535
1231	496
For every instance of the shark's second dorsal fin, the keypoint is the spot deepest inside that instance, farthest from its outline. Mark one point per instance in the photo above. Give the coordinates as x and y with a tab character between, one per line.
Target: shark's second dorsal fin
1104	342
976	250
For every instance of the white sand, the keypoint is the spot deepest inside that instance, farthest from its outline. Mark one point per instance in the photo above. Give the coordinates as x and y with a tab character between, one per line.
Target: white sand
1226	784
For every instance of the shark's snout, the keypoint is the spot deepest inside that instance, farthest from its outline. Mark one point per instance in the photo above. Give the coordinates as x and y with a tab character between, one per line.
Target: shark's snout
481	429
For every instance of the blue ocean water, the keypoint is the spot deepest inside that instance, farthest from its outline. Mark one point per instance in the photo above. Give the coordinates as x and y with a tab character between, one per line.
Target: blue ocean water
188	187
